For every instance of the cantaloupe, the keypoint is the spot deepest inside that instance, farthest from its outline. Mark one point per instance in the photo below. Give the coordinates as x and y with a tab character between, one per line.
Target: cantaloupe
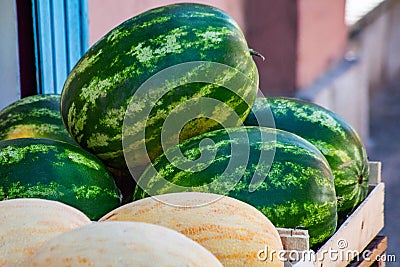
123	244
25	224
234	231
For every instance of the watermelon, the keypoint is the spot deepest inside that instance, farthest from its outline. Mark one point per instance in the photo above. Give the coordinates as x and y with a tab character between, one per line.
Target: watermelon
55	170
282	175
331	134
34	116
187	62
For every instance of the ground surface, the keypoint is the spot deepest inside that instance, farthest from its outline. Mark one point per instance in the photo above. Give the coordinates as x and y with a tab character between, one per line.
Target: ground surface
385	147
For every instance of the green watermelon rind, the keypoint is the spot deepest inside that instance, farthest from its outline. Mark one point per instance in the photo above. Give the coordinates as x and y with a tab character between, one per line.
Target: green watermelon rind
332	135
298	189
38	115
101	85
56	170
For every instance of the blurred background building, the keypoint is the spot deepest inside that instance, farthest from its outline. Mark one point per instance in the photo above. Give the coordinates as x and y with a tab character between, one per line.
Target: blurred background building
332	52
341	54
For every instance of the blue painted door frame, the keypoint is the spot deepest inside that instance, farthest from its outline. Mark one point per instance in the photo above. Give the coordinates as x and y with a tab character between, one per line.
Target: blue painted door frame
61	38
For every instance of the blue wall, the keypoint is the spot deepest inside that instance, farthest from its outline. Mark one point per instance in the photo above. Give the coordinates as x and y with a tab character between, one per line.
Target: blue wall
61	38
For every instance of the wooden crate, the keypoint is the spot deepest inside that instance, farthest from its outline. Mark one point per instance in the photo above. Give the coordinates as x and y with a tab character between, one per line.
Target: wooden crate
352	237
377	249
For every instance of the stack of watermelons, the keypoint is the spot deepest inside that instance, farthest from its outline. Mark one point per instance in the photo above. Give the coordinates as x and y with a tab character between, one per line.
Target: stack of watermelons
39	159
167	102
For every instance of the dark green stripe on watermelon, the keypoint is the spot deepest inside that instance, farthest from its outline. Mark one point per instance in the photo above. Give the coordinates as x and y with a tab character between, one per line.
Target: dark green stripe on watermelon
295	186
101	85
55	170
331	134
35	116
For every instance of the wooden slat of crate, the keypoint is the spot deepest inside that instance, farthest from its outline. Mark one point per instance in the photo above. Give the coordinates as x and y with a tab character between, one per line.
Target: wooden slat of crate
355	233
294	239
375	249
358	230
375	170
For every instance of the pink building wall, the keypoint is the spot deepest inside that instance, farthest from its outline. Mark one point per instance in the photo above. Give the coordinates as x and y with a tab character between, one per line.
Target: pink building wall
106	14
322	38
301	39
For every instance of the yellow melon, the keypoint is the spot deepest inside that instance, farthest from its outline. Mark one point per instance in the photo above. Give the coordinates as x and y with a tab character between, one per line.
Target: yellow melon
25	224
237	233
123	244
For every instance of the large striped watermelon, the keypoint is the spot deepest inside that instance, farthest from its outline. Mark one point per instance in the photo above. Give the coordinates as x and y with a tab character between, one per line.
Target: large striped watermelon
331	134
295	190
34	116
56	170
197	51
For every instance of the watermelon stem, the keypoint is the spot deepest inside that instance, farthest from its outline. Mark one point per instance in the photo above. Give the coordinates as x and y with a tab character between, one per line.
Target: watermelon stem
255	53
